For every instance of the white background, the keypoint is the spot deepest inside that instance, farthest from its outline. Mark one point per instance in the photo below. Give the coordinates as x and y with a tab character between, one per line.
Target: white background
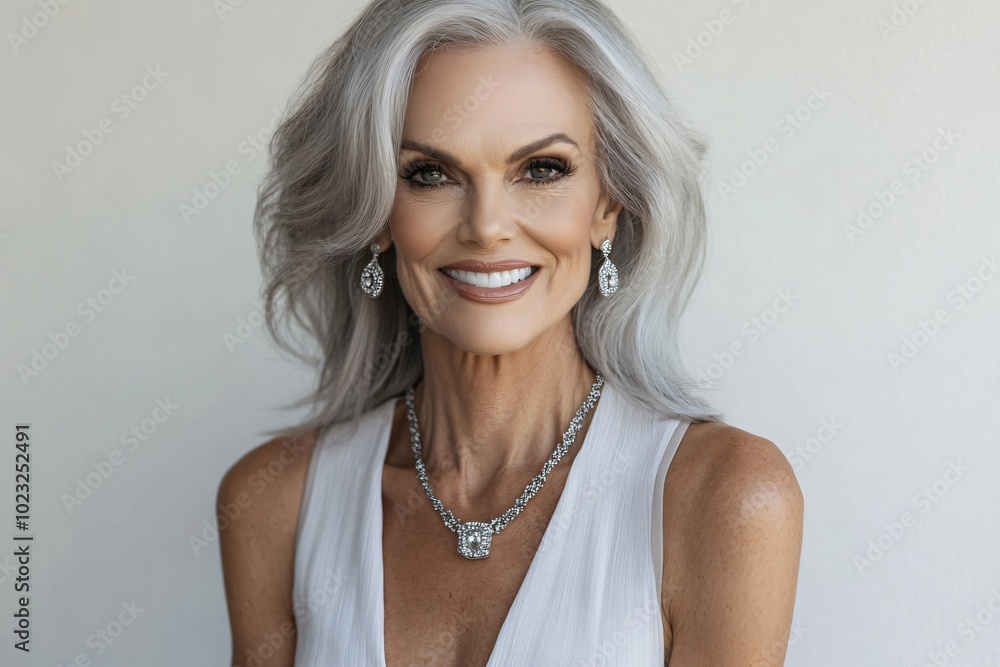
894	77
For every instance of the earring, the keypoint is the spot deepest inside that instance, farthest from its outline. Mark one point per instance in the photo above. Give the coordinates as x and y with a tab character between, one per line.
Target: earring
372	276
608	276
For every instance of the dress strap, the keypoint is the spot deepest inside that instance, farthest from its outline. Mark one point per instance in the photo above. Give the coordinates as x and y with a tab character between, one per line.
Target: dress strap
661	475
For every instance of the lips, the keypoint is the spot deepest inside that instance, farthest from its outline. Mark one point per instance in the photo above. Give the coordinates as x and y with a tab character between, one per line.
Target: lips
489	267
493	280
499	292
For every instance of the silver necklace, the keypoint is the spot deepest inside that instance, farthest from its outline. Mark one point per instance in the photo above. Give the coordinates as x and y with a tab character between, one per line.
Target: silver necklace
474	537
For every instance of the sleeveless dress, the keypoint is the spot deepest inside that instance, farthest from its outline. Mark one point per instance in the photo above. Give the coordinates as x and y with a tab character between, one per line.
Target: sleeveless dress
591	594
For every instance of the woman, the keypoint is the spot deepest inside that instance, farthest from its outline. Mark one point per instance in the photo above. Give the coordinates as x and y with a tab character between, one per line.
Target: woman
488	217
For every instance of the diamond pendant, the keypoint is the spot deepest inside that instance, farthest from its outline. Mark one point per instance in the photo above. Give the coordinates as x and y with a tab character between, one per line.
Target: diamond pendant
474	539
608	277
372	276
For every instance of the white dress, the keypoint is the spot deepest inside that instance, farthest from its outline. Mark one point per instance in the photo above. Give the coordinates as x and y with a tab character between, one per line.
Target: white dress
591	594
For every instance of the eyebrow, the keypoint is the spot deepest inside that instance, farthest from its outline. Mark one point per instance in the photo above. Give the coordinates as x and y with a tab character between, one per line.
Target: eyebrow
517	155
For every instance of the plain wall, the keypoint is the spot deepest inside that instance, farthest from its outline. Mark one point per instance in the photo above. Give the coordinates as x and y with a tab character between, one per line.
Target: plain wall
801	310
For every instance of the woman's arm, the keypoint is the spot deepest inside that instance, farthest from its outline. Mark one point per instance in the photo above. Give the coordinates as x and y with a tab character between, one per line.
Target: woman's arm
258	505
735	533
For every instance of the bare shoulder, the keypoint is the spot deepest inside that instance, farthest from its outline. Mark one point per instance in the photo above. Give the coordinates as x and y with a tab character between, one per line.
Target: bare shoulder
734	469
733	513
258	506
274	473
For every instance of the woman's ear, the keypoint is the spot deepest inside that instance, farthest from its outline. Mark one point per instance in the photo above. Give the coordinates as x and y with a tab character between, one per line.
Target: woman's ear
384	241
605	221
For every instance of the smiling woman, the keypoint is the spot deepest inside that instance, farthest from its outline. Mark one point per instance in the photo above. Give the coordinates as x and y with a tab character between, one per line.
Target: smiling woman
495	303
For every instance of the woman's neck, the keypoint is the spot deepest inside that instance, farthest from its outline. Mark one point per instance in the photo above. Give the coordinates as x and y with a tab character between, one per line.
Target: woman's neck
481	418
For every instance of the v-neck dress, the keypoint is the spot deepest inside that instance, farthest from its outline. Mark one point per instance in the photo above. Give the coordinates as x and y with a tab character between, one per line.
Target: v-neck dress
591	594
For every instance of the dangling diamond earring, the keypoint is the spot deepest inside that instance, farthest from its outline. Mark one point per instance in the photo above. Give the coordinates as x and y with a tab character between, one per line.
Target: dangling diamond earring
372	276
608	276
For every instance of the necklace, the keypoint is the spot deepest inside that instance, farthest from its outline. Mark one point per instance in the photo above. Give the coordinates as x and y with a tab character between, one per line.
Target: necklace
474	537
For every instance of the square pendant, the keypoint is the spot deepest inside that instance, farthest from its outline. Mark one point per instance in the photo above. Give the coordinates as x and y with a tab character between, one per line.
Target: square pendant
474	539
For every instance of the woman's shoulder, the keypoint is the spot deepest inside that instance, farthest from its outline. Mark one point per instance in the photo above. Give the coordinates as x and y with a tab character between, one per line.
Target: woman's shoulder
717	461
258	504
733	514
724	480
274	471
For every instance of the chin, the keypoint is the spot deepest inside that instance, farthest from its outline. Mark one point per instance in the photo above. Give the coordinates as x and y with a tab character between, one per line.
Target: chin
488	341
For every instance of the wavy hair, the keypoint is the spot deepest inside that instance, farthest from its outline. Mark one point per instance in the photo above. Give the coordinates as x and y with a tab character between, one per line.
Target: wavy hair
331	184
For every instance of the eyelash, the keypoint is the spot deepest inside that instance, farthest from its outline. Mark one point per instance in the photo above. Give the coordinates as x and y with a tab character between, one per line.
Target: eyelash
564	168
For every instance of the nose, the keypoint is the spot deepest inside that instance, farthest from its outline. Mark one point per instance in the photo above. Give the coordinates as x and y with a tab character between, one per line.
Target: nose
486	215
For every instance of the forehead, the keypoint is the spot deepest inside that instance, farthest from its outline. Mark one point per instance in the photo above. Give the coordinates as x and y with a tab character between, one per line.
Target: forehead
494	98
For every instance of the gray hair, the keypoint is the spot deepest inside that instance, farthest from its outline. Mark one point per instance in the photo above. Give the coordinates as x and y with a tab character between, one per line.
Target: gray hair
332	181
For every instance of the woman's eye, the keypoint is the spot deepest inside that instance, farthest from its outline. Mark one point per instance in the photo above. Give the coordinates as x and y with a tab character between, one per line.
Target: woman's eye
424	175
429	176
547	170
541	171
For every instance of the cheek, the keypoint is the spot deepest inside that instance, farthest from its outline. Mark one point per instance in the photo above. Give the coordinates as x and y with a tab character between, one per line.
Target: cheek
562	226
415	230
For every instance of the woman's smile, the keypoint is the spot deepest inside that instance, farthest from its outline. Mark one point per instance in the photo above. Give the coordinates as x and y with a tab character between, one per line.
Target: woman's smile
491	280
499	286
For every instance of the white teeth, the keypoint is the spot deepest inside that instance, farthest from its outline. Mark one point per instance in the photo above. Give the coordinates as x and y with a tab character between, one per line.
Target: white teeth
490	280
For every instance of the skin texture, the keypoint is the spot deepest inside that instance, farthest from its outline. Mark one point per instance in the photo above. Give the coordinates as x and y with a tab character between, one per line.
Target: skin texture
500	385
